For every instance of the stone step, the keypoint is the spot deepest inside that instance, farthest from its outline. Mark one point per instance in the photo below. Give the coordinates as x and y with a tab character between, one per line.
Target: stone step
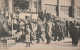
2	45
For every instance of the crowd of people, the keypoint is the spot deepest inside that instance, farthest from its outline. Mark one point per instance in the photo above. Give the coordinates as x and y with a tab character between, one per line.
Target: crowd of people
23	30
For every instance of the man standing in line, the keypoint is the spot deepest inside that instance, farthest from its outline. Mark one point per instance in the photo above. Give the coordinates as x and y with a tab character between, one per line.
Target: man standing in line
57	30
47	32
39	33
74	33
67	28
1	25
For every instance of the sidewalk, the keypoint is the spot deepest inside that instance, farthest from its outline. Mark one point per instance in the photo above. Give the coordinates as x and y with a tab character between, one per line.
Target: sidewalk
56	45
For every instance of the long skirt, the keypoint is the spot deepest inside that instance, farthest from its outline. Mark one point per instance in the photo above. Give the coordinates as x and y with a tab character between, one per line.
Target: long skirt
27	38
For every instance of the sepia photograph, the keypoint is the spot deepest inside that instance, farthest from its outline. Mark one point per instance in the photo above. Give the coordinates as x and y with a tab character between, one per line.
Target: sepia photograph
39	24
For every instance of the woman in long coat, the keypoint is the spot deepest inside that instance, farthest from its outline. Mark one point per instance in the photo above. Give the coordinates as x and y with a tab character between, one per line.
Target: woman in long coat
74	33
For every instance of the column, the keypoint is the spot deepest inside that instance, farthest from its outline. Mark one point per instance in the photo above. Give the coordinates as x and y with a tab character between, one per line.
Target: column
37	6
58	8
43	5
11	13
73	8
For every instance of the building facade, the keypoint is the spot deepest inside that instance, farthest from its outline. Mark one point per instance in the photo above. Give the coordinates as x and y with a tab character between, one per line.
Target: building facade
62	8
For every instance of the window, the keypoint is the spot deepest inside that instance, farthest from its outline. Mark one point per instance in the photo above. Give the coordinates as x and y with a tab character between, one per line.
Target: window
35	4
51	9
78	12
64	11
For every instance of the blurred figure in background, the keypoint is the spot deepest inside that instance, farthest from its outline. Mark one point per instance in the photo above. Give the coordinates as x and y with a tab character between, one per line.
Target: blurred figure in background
39	33
67	28
28	31
47	32
57	31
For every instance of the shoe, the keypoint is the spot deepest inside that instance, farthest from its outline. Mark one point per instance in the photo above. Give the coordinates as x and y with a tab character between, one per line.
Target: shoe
54	40
58	39
47	43
63	38
37	42
74	45
31	43
43	40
